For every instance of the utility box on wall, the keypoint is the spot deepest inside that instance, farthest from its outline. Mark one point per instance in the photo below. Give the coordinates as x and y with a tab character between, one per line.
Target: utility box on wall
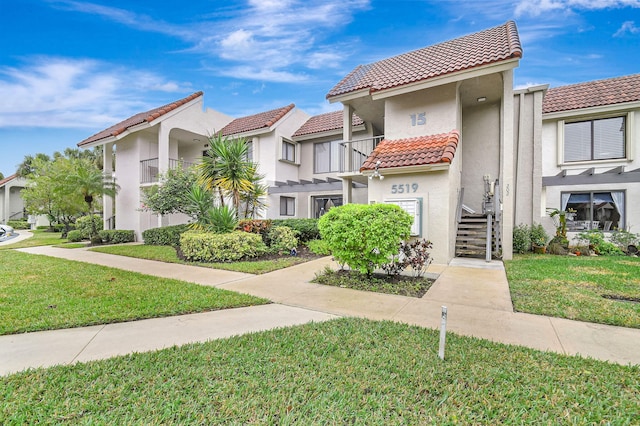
413	206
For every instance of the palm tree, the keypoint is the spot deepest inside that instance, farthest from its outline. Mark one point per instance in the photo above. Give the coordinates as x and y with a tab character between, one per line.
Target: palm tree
91	183
227	168
252	198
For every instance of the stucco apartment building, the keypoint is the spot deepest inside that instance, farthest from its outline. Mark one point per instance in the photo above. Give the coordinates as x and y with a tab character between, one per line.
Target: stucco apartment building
439	131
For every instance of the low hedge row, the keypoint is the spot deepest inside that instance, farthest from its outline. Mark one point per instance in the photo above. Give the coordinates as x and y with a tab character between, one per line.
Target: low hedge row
209	247
165	236
117	236
19	224
307	228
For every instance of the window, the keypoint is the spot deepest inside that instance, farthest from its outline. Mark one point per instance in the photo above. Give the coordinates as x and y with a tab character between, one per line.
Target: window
599	139
327	156
287	206
594	210
321	205
288	151
249	150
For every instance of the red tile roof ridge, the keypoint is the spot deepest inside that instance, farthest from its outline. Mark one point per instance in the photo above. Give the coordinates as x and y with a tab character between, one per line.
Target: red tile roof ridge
257	121
414	151
143	117
326	122
485	47
609	91
8	179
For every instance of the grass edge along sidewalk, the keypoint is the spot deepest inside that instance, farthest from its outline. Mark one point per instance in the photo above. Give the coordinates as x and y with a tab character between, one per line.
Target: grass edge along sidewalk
45	293
338	372
592	289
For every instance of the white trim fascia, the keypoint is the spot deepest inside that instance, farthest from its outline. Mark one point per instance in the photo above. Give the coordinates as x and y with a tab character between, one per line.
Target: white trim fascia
606	109
142	126
531	89
349	96
446	79
410	169
328	133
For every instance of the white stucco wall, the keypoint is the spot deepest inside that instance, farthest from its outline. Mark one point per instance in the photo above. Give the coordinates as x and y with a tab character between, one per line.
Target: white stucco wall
434	188
438	105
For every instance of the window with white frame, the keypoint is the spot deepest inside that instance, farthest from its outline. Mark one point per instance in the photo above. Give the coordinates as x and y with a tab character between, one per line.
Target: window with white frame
326	156
249	150
597	139
602	210
288	151
287	206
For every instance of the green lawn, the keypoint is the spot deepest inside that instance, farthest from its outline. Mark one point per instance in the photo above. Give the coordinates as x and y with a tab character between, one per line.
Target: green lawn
42	293
573	287
168	254
346	371
40	238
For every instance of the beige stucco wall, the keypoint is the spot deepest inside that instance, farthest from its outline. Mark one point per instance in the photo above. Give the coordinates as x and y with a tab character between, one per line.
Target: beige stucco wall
435	190
551	197
479	150
438	104
528	156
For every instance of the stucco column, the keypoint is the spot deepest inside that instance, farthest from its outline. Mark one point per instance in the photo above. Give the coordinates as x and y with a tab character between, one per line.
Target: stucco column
507	166
163	157
537	210
107	170
347	135
6	206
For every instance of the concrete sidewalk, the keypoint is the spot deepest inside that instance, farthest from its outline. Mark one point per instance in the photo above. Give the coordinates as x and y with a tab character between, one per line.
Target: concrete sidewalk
475	293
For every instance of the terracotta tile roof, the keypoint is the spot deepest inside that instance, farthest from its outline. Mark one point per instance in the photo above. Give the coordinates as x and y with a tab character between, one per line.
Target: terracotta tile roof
592	94
257	121
416	151
325	122
474	50
7	179
140	118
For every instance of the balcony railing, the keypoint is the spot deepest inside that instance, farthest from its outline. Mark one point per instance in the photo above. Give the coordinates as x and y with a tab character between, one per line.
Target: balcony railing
149	168
354	153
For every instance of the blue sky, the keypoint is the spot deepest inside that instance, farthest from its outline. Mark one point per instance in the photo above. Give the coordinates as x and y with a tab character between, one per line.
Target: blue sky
71	68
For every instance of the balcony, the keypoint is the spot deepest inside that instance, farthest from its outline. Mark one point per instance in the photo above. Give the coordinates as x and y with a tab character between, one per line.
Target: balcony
149	169
354	153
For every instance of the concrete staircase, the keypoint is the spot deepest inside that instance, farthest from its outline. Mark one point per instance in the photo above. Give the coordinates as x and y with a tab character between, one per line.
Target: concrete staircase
471	240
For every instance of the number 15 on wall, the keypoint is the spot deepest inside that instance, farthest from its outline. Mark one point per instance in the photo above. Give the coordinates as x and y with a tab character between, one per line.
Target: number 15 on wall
419	119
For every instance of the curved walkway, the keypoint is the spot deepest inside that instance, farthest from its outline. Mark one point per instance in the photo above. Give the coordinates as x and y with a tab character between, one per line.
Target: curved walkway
476	295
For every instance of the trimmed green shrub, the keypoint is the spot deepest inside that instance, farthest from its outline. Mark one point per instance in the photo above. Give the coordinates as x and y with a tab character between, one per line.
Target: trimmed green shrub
318	247
83	224
365	236
19	224
594	239
282	239
521	238
623	239
165	236
74	236
307	228
117	236
211	247
539	236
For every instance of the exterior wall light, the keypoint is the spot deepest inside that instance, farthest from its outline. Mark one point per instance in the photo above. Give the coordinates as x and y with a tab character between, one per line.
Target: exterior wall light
376	173
482	99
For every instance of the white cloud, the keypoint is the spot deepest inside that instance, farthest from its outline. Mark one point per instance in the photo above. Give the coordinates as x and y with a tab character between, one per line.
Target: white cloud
540	7
75	93
627	27
275	37
262	74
